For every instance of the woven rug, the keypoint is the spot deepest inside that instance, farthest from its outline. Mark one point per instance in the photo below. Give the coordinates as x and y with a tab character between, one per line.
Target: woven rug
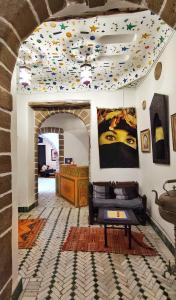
91	239
28	231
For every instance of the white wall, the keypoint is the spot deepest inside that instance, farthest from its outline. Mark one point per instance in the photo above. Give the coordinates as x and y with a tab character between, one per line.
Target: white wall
76	139
26	121
30	172
54	139
15	277
154	175
25	153
77	147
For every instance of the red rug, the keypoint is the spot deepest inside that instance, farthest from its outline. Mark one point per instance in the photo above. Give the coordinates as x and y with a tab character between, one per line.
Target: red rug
91	239
28	231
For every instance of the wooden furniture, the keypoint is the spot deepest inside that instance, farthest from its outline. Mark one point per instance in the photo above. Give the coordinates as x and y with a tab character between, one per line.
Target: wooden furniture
102	195
126	222
72	184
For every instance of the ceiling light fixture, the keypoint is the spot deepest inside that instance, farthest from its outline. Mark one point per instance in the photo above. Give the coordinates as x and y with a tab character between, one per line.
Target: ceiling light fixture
86	74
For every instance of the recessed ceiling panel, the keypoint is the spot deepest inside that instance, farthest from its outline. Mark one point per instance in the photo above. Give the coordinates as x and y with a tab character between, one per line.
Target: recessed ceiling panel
117	38
120	48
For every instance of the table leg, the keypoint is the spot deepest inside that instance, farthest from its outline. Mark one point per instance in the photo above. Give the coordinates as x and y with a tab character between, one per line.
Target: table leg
105	236
129	236
126	230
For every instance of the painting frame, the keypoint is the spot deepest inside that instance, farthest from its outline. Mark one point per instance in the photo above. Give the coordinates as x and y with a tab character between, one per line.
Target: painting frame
173	127
159	120
68	160
117	137
145	141
54	155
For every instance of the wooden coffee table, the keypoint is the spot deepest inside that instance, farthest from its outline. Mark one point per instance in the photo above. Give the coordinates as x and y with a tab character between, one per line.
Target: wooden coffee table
127	222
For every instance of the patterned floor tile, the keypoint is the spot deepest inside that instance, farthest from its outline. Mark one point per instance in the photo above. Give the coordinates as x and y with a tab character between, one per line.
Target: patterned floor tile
48	273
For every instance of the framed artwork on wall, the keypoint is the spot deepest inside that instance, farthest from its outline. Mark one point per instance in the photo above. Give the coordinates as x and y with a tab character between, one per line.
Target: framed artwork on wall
159	118
117	137
68	160
173	125
54	154
145	140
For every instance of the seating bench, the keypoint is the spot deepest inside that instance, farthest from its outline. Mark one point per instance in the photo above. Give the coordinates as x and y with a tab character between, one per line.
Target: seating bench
120	195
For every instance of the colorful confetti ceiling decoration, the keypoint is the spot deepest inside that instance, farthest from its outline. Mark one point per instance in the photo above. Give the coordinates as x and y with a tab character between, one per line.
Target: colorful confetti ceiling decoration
120	49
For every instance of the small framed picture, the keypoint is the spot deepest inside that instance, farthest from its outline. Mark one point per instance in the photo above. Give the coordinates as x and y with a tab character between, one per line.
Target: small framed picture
68	160
145	140
54	154
173	125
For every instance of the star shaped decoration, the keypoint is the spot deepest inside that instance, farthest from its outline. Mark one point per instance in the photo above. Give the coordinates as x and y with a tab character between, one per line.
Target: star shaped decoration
130	26
124	48
145	35
63	26
161	39
68	34
93	28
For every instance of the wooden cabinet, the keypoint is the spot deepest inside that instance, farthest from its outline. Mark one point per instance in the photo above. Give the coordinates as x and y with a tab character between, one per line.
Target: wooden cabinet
72	184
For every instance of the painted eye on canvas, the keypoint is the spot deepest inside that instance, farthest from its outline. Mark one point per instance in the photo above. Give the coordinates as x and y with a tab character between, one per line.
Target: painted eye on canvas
131	141
110	137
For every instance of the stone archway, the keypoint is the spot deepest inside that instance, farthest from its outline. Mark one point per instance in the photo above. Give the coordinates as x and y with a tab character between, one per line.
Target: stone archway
60	133
40	117
17	20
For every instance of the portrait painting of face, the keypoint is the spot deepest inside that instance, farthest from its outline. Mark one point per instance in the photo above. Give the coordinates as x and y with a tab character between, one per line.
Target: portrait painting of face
117	138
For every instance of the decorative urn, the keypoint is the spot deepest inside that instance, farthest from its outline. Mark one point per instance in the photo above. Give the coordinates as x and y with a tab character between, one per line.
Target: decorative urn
167	210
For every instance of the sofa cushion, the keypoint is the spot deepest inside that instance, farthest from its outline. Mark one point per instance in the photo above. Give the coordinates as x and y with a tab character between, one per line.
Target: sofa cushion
135	203
99	202
102	191
132	203
126	193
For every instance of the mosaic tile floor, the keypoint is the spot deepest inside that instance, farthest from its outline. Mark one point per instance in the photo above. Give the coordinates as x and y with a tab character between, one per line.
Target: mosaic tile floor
48	273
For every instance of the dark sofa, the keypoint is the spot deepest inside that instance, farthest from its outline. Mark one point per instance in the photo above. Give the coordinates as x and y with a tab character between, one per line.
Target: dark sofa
121	195
47	173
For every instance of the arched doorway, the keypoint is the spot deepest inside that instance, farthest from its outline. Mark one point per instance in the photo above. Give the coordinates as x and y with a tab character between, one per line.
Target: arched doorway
40	117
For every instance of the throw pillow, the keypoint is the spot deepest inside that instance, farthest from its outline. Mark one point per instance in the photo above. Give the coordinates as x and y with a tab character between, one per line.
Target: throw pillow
126	193
102	191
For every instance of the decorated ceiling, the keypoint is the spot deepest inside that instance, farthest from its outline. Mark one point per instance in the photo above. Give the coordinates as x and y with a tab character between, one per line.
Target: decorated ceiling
121	50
